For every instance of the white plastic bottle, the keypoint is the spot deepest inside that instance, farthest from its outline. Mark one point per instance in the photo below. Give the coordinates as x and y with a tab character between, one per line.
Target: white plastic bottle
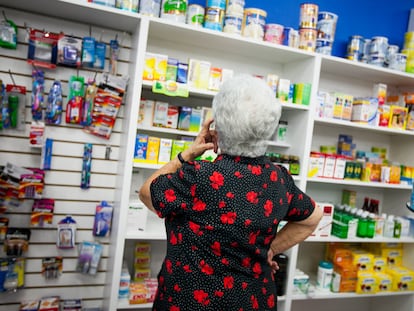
123	293
325	271
389	226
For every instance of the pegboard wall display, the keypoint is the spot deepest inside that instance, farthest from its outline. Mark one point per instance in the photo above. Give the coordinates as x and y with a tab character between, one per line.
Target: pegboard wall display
77	161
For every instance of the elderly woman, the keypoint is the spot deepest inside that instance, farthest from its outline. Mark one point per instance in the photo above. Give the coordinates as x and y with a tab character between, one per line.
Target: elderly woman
221	217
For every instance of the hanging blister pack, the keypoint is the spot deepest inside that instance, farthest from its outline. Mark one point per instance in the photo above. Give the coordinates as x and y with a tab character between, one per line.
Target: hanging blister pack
66	233
8	34
75	100
103	219
88	52
113	56
89	257
38	87
42	51
86	166
100	54
54	104
16	102
69	51
90	94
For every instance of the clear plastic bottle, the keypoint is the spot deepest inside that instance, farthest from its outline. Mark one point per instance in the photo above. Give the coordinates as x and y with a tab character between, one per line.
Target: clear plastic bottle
389	227
379	227
397	228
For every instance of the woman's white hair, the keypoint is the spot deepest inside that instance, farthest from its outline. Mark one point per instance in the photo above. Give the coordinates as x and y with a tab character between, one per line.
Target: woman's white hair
246	114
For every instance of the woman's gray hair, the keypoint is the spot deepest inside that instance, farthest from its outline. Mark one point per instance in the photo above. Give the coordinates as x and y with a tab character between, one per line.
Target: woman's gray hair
246	114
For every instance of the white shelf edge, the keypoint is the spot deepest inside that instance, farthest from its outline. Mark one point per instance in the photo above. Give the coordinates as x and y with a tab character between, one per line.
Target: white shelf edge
332	295
360	240
146	236
346	123
127	305
210	94
166	130
358	183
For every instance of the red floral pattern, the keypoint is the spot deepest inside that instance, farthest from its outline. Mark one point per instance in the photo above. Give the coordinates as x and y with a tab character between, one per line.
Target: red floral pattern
220	219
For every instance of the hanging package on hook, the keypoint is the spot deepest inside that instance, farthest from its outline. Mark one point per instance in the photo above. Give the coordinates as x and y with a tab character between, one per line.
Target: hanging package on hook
38	89
14	113
89	257
42	49
107	103
86	166
69	51
8	33
54	104
103	219
75	100
66	230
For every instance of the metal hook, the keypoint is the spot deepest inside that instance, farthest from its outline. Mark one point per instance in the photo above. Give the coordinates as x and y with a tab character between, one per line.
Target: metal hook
11	77
4	15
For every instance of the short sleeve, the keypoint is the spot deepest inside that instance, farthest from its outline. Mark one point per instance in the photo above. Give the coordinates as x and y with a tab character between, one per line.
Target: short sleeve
170	193
301	205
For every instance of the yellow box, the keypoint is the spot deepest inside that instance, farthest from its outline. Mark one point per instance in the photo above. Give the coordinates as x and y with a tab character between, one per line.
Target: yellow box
347	103
153	149
384	282
380	263
160	67
141	274
398	117
338	104
393	255
367	283
402	278
149	66
363	260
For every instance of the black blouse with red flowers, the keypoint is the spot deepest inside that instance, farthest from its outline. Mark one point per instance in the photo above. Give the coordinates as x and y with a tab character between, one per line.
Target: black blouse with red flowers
220	219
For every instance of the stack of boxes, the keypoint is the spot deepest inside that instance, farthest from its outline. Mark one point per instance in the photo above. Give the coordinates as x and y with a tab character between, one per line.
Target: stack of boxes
372	269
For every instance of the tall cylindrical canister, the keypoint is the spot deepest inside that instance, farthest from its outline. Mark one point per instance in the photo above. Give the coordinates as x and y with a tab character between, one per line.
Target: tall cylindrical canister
221	4
235	7
308	15
307	39
327	25
150	7
274	33
323	46
233	23
174	10
355	48
378	51
195	15
391	51
324	279
214	18
254	21
398	62
290	37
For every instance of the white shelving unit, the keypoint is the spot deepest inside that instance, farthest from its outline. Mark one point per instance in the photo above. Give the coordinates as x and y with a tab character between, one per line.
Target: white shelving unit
305	133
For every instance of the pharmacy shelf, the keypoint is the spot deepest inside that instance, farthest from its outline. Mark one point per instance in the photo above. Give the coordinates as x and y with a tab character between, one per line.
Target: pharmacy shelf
317	294
167	130
81	11
126	305
358	183
360	71
154	230
349	124
360	240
